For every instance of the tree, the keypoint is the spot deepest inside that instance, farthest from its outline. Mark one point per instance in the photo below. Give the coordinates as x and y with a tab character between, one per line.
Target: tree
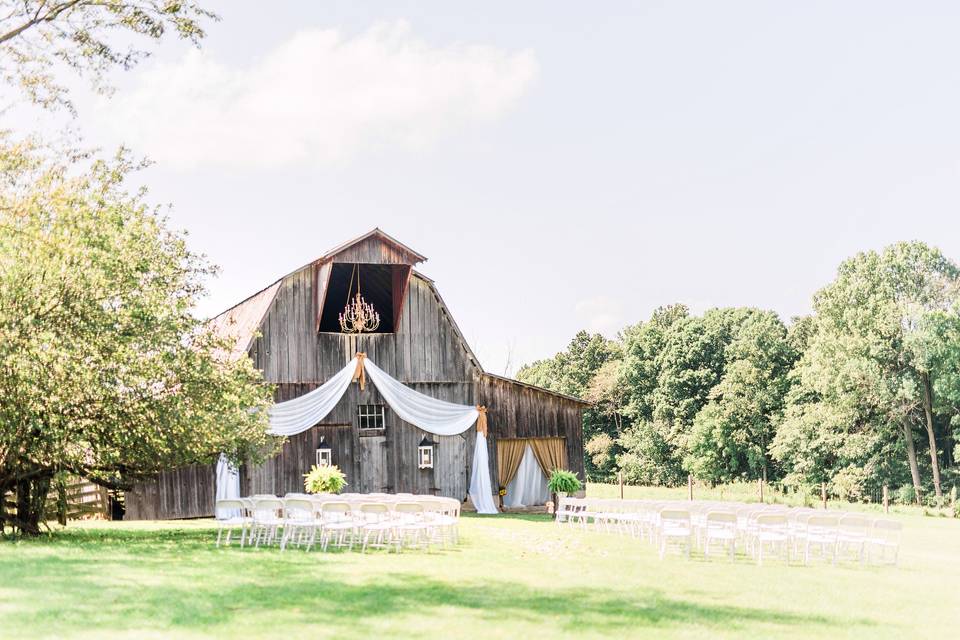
40	37
572	372
869	373
648	452
732	432
607	392
104	370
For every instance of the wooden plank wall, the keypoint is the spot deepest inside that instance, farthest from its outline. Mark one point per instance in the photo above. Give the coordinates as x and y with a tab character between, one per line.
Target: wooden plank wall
187	492
519	411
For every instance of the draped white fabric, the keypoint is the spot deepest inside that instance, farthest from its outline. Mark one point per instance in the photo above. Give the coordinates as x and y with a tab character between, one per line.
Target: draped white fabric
529	486
228	485
296	416
481	492
435	416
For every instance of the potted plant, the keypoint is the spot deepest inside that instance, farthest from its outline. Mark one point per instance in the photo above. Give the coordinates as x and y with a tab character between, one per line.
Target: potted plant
564	482
325	479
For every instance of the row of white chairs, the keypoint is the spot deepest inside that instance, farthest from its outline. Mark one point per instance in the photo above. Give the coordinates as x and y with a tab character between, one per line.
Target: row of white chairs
756	530
389	521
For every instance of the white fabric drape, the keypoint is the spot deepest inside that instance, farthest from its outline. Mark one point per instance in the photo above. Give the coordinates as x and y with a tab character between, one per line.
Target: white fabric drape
529	486
296	416
228	485
435	416
481	491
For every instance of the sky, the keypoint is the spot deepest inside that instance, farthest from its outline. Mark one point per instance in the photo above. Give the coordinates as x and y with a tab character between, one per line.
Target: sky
563	166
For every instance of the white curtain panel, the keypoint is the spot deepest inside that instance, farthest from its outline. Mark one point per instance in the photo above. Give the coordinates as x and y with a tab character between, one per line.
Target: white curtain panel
529	486
435	416
296	416
481	491
228	485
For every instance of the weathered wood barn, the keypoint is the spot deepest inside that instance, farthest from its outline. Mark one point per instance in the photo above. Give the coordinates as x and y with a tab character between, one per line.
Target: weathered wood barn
292	332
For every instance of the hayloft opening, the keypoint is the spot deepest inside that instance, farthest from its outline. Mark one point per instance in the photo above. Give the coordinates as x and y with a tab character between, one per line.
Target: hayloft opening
381	285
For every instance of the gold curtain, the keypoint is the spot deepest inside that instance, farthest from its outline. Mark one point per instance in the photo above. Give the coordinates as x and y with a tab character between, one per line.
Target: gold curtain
509	455
551	453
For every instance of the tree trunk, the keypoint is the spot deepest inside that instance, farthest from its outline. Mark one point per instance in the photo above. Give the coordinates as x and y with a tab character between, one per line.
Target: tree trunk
912	457
931	437
31	503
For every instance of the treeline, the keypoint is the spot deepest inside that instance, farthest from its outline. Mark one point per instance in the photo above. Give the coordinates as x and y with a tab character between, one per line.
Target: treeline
863	393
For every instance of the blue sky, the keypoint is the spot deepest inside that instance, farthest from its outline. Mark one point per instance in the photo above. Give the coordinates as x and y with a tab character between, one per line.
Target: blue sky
562	165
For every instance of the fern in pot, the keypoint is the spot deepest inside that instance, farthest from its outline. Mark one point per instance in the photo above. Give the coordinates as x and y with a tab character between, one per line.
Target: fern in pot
325	479
564	482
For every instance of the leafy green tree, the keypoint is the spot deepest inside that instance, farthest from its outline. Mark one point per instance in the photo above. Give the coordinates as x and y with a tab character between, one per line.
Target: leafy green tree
572	372
732	432
104	370
647	451
869	372
39	38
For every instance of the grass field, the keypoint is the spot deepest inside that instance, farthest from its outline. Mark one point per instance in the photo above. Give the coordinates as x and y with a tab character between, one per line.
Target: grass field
512	576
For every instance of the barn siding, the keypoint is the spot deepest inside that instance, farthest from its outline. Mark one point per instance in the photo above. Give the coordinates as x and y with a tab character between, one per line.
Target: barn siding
426	352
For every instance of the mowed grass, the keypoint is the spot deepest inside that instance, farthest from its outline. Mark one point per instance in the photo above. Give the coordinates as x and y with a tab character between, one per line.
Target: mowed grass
512	576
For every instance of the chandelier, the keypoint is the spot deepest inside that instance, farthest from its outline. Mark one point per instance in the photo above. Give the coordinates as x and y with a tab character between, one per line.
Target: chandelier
358	315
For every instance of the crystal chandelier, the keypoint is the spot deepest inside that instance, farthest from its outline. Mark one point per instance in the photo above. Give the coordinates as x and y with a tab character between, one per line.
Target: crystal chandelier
358	315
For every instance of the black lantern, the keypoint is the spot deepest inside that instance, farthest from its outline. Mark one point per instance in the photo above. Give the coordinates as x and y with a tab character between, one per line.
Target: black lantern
324	453
425	454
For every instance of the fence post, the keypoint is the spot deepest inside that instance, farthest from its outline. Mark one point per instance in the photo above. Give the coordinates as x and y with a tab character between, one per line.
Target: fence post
690	487
760	488
823	494
620	481
886	499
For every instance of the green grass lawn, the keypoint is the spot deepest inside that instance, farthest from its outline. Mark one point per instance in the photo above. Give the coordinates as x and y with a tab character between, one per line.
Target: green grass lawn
511	577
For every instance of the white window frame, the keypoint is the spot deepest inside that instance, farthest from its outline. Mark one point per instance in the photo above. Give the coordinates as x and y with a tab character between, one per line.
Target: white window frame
368	415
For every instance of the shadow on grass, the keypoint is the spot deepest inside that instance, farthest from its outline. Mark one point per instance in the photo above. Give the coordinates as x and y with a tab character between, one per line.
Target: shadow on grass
72	591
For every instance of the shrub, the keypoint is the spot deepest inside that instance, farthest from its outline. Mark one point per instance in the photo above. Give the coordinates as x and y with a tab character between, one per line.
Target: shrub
564	482
906	494
850	484
326	479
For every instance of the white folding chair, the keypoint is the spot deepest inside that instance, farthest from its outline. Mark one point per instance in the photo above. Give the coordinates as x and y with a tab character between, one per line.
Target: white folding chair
376	525
674	525
821	534
267	519
852	532
720	527
410	525
884	538
771	531
337	522
231	515
299	522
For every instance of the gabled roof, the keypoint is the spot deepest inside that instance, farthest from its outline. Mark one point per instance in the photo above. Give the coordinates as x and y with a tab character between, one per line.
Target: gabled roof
239	323
378	233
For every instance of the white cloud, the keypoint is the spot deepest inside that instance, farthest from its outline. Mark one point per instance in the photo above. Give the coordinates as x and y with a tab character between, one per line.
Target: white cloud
601	314
318	98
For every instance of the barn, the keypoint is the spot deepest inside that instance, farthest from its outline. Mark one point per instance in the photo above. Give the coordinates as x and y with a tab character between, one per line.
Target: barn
292	331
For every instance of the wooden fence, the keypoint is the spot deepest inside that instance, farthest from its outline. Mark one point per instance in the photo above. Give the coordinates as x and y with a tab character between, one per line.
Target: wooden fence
85	501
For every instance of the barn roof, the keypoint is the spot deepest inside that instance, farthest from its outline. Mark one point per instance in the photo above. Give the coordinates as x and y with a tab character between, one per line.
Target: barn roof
536	388
239	323
381	235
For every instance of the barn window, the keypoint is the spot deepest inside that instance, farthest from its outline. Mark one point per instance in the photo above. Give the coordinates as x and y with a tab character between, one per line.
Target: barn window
384	286
370	418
